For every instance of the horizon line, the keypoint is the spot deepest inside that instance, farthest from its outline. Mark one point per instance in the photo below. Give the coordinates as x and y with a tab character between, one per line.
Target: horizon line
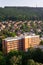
22	6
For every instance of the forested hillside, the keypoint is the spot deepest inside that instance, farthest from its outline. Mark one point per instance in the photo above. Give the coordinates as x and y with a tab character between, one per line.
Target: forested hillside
21	13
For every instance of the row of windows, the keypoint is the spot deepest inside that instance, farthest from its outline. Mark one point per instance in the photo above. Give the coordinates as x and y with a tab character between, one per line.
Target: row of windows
15	46
12	48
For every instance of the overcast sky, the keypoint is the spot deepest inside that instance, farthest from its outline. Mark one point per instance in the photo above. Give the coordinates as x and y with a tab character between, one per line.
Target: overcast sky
32	3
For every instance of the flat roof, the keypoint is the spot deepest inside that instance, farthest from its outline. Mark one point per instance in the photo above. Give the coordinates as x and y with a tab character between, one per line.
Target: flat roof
19	37
11	38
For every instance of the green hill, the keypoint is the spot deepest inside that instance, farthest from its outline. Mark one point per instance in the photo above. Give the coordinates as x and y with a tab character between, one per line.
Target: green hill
21	13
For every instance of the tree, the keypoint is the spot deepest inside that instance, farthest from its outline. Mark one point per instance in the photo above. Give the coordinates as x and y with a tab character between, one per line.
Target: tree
37	63
30	62
2	59
14	58
41	43
38	55
0	44
12	34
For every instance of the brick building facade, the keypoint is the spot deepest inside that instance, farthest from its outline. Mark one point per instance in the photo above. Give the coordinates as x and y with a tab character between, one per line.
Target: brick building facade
20	43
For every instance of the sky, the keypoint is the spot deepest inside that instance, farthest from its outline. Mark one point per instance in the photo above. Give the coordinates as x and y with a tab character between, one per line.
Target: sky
30	3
